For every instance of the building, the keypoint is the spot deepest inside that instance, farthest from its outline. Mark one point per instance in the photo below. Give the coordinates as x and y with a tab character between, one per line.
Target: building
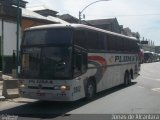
8	29
106	24
136	35
13	2
147	46
69	18
127	31
44	11
8	33
39	15
30	19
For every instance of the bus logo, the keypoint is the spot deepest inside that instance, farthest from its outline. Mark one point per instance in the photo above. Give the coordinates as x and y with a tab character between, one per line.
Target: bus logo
100	60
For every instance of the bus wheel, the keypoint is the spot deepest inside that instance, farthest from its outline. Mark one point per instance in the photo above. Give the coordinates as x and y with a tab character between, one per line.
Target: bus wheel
90	90
127	79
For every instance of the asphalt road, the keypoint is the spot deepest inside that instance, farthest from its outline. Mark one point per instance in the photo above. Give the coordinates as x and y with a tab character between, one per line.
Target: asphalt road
142	97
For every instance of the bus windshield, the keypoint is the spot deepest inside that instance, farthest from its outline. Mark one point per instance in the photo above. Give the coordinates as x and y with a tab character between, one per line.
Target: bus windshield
47	37
46	62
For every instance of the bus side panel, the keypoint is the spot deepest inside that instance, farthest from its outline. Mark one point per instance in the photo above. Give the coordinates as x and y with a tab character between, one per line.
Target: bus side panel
77	87
110	68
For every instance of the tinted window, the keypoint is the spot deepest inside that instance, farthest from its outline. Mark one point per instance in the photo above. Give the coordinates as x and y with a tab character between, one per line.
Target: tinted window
80	62
95	40
56	62
80	38
111	42
48	36
102	41
46	62
90	39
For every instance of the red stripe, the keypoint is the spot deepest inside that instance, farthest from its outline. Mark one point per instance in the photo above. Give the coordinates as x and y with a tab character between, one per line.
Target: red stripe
98	59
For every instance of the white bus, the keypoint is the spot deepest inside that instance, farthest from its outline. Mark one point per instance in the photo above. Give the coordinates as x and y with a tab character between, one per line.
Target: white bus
70	62
148	57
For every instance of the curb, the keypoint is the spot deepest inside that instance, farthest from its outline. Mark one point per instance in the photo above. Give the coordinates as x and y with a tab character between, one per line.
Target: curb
2	98
10	89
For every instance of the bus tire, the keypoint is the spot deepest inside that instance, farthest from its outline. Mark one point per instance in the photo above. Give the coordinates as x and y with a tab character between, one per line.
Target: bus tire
90	90
127	79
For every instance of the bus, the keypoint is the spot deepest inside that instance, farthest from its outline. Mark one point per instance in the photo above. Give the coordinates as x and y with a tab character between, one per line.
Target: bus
69	62
141	56
148	57
155	57
158	57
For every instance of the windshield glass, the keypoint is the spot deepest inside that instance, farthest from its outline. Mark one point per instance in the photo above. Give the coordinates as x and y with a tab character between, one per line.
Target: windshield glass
46	62
148	55
47	36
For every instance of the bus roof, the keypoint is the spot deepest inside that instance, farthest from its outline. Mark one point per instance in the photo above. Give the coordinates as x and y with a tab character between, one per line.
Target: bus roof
76	26
148	52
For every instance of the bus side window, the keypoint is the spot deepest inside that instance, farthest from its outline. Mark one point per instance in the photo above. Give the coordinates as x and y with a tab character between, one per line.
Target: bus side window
79	38
80	63
77	63
84	62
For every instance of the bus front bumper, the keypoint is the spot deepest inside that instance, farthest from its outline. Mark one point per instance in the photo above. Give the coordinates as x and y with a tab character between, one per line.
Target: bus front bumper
49	95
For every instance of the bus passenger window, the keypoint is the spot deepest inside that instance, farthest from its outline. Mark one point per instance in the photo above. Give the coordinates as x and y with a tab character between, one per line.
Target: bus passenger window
79	38
80	63
77	64
84	62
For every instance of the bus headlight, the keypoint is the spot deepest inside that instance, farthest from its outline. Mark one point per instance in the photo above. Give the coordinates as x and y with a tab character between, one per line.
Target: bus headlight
63	88
22	86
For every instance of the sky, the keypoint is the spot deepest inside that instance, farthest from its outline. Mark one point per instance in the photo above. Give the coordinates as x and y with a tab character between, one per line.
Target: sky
141	16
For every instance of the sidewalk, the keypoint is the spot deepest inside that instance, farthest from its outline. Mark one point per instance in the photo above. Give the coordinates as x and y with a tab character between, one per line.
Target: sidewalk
5	77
